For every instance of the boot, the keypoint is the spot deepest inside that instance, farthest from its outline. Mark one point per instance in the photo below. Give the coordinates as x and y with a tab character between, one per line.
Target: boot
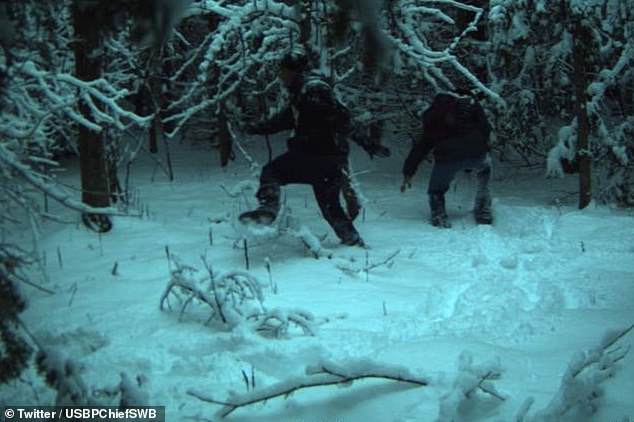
482	210
438	213
353	239
269	199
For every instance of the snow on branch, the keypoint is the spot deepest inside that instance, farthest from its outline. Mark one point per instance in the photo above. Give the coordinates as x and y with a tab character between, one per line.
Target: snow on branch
100	90
237	16
470	379
322	374
64	375
233	298
580	387
46	185
414	44
276	323
247	36
37	105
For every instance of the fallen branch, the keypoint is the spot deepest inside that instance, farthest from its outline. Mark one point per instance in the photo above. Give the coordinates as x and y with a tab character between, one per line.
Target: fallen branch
580	385
470	379
323	374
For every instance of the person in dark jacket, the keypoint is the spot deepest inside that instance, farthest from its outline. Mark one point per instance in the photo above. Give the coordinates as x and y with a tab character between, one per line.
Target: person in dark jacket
317	148
457	130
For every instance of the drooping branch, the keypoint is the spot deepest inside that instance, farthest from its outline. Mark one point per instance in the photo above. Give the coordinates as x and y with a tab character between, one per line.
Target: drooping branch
38	181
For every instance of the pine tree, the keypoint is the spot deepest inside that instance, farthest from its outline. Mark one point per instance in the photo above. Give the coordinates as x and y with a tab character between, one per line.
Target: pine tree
14	350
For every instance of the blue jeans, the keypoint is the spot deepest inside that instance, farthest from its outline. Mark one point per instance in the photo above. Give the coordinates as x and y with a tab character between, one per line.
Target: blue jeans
444	172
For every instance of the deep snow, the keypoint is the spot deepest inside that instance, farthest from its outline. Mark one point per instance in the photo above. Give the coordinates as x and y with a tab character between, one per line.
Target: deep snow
546	281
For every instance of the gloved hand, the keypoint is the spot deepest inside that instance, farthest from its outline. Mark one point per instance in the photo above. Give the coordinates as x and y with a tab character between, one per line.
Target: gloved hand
407	183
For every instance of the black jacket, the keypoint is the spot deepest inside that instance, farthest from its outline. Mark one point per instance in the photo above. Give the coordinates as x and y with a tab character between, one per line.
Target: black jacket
321	123
454	128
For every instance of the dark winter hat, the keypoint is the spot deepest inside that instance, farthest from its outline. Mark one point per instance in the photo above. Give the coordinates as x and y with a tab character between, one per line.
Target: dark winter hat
296	60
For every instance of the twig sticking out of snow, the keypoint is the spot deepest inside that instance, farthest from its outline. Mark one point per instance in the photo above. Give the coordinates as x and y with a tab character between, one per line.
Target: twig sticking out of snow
350	269
272	284
323	374
580	385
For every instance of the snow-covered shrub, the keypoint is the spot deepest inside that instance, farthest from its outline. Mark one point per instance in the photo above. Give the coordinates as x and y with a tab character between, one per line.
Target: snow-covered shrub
64	375
14	349
232	298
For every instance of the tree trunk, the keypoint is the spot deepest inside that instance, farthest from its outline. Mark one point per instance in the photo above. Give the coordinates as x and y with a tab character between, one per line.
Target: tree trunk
88	65
305	23
155	133
225	143
580	42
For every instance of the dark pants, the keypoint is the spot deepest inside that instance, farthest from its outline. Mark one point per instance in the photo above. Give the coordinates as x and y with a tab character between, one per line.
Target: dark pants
323	173
444	172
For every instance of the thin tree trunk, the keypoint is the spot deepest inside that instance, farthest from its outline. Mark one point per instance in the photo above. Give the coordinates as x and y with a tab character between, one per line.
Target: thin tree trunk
88	66
155	133
305	24
224	139
580	40
156	128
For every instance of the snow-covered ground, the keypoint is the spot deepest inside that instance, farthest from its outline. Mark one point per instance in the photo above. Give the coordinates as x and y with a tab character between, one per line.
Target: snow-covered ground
545	282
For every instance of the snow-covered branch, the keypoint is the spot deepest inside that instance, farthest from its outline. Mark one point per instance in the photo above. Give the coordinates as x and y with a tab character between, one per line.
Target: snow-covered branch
324	373
45	185
100	90
580	386
471	378
233	298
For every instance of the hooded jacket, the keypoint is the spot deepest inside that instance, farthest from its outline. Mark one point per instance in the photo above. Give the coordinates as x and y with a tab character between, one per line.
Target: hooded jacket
454	128
321	123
